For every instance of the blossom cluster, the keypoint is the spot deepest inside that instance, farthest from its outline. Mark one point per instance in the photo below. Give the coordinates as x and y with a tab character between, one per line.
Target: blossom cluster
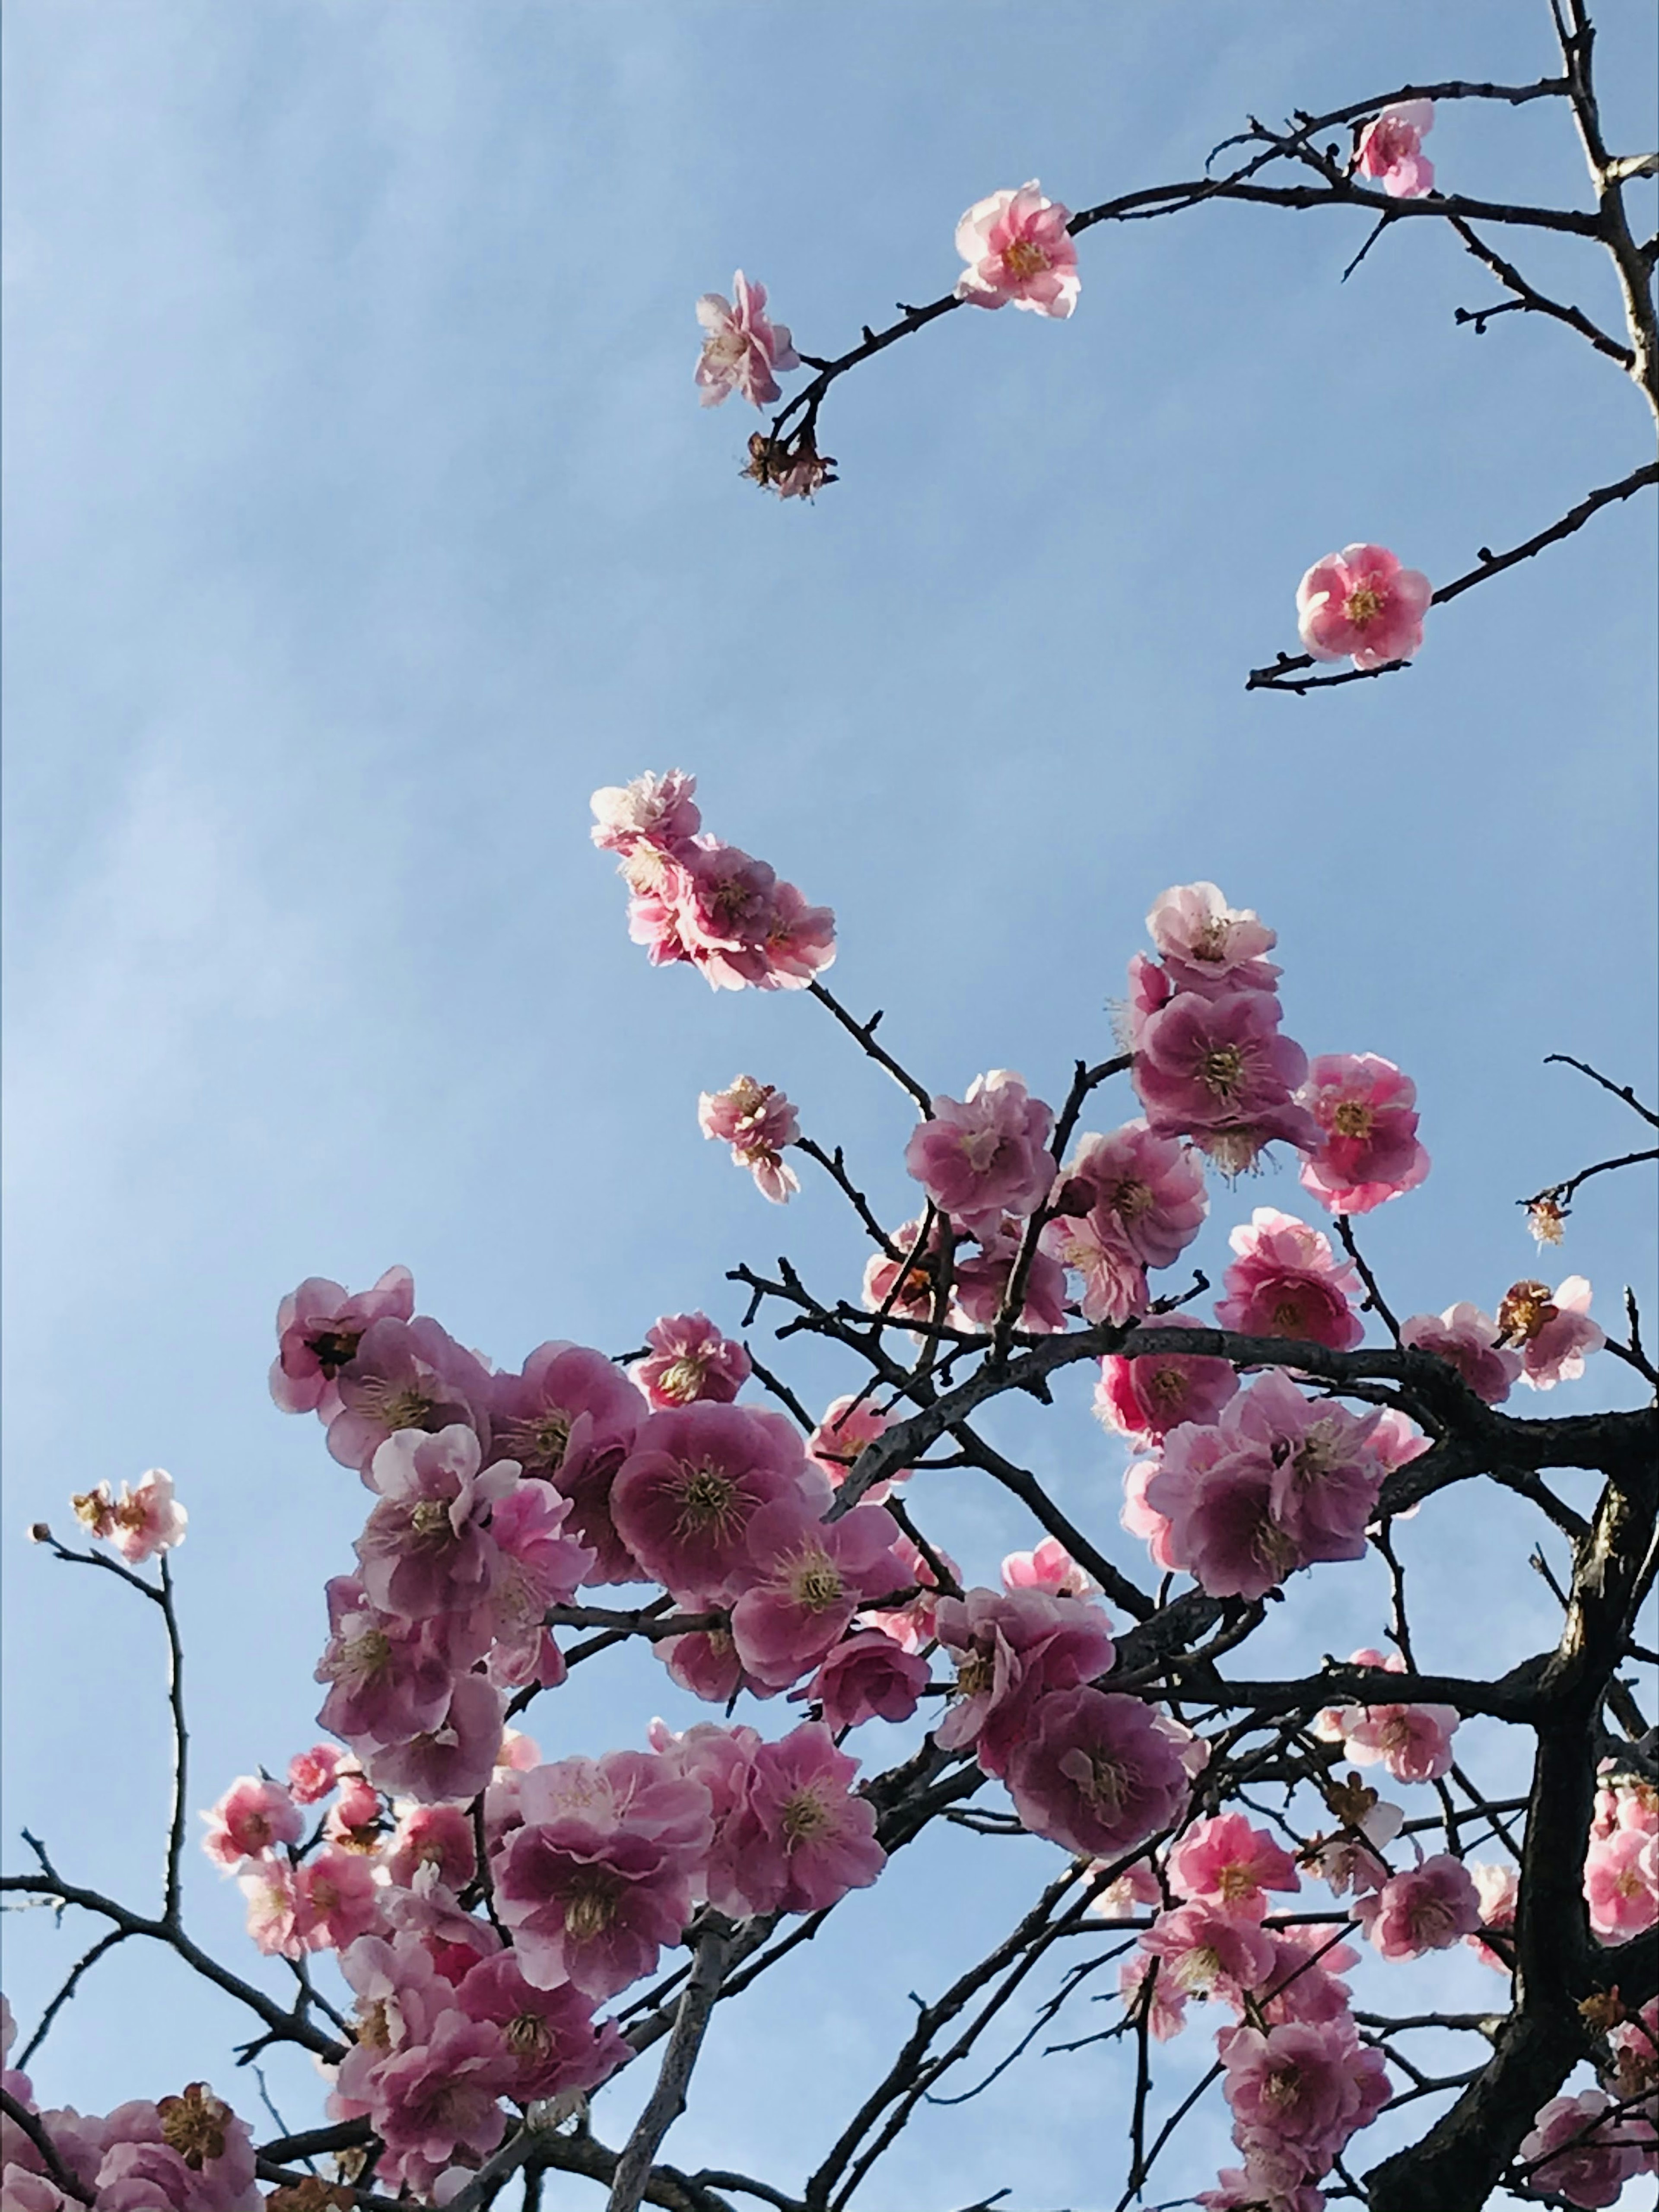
693	898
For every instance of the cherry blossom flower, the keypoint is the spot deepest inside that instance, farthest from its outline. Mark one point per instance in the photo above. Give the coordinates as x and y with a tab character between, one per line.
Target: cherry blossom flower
1209	946
912	1297
337	1898
1579	2149
689	1363
1092	1772
275	1920
866	1676
911	1627
757	1121
1227	1859
1300	2088
1413	1742
1218	1071
985	1155
1206	1945
1467	1340
1144	1394
1552	1329
1144	1193
1326	1474
1498	1888
1051	1568
319	1329
705	1661
800	1839
140	1522
1009	1651
310	1773
1218	1495
1286	1281
253	1816
1123	1897
1622	1884
981	1279
809	1576
847	1425
1017	248
553	2042
405	1375
1427	1908
388	1679
185	2154
426	1548
453	1759
438	1836
1390	149
656	811
566	1407
742	349
1148	1989
434	2099
1361	602
1366	1110
695	1480
730	915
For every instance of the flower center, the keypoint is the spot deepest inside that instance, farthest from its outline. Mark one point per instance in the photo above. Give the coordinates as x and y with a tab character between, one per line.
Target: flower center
1525	1310
1024	259
1432	1923
590	1910
708	1501
1283	2086
1168	1387
1211	941
681	1380
1234	1882
541	1443
1287	1315
334	1348
405	1409
976	1675
1220	1068
805	1816
430	1517
527	2036
1107	1783
1364	604
815	1582
1352	1118
194	2125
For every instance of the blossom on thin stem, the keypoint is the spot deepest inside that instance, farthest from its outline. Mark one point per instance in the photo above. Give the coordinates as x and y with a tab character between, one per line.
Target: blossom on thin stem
757	1121
742	349
1360	602
1368	1151
1390	149
1017	248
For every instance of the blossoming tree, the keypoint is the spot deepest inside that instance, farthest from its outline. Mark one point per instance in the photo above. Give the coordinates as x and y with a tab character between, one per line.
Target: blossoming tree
480	1939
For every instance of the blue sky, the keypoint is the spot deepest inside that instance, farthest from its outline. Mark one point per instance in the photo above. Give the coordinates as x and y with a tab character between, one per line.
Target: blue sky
361	519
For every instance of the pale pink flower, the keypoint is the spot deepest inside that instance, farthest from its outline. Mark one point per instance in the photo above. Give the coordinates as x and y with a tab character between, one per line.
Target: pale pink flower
985	1155
405	1375
319	1329
275	1919
1146	1985
1092	1772
253	1816
1050	1568
689	1363
737	923
1426	1908
801	1838
1622	1884
1552	1329
1361	602
1467	1339
426	1548
337	1898
310	1773
913	1298
757	1121
1010	1650
847	1425
695	1480
657	811
1498	1888
553	2042
1413	1742
1209	946
1205	1946
1155	1528
808	1578
742	349
1227	1859
1286	1281
1123	1897
866	1677
1267	2182
439	2097
1366	1110
1143	1192
1583	2151
139	1522
1218	1071
1390	149
1115	1286
1017	248
1145	1393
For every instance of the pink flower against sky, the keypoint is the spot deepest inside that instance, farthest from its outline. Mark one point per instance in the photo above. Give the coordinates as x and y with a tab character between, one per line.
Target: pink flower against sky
847	1425
808	1578
1286	1281
800	1839
319	1329
1228	1859
689	1363
140	1522
1622	1884
1390	149
566	1407
757	1121
1427	1908
742	349
1209	946
1094	1773
253	1816
1552	1329
1588	2152
1218	1071
553	2041
657	811
1017	248
426	1548
1360	602
985	1155
1145	1393
693	1483
1467	1340
1366	1111
1143	1193
1010	1650
404	1375
1050	1568
868	1676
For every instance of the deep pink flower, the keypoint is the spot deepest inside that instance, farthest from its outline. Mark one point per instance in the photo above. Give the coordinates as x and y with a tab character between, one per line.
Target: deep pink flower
1426	1908
985	1155
1142	1192
757	1121
1361	602
981	1279
807	1577
1009	1649
1622	1884
1145	1393
1017	248
1552	1329
310	1773
1302	1984
705	1661
566	1405
553	2042
253	1815
742	349
656	811
695	1480
1209	946
1215	1492
1286	1281
1366	1110
1326	1474
1299	2088
1050	1568
388	1679
1218	1071
405	1375
1206	1946
454	1759
868	1676
426	1548
690	1363
1229	1860
800	1839
1390	149
913	1298
1094	1773
319	1329
1467	1340
1588	2156
434	2099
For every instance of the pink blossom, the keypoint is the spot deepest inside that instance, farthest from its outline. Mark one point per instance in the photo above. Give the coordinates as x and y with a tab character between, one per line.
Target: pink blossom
1124	1895
1145	1985
186	2154
1216	1494
868	1676
319	1329
437	2097
454	1759
1366	1110
426	1548
1498	1888
757	1121
1009	1651
358	1806
1286	1281
800	938
1017	248
705	1661
1390	149
691	1362
399	1997
388	1679
1209	946
438	1836
1361	602
1622	1884
1300	2088
405	1375
253	1815
1206	1945
567	1406
139	1522
1413	1742
1326	1474
310	1773
1145	1393
847	1425
1426	1908
1114	1288
730	915
911	1627
742	349
807	1578
1467	1340
1552	1329
913	1298
695	1480
1142	1520
1218	1070
800	1839
1580	2149
1229	1860
1143	1193
982	1281
1267	2182
1302	1984
1050	1568
275	1920
986	1154
537	1565
553	2041
1092	1772
656	811
337	1898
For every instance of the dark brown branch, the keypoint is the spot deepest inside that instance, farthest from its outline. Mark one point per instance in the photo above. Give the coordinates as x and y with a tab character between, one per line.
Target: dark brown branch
32	2126
1620	1089
712	1943
103	1943
1529	300
865	1032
